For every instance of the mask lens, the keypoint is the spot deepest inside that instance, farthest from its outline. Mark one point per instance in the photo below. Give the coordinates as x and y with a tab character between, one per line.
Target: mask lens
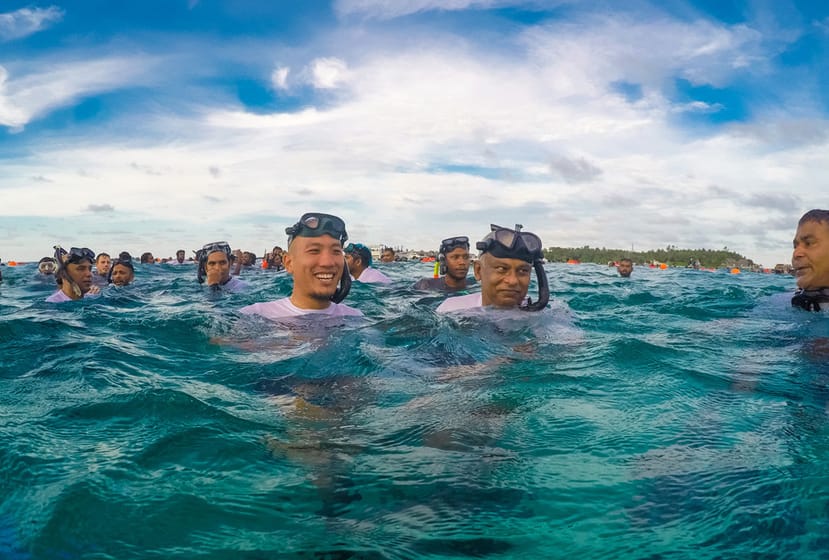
312	222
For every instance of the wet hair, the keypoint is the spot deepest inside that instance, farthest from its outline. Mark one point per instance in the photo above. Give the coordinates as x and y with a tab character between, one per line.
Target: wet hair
101	255
815	215
147	258
625	260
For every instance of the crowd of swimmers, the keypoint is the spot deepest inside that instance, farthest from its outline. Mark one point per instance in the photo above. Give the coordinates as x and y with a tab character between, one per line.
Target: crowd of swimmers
323	266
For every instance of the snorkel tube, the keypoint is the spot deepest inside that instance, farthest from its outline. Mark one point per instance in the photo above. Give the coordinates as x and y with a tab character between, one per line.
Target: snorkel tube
343	287
61	275
543	289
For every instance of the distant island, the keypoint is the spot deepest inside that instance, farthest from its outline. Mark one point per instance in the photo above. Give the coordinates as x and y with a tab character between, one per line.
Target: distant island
671	255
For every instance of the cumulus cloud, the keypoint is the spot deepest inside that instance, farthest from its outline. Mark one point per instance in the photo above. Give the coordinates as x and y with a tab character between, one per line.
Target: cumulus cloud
328	73
100	208
576	170
26	21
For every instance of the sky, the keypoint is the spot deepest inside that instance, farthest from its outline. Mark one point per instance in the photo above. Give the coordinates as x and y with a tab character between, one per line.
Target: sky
166	124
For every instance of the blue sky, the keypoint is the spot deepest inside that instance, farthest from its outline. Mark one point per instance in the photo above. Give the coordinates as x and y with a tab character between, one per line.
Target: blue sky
163	124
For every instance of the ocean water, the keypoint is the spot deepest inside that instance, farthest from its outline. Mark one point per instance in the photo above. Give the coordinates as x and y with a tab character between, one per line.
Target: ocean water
675	414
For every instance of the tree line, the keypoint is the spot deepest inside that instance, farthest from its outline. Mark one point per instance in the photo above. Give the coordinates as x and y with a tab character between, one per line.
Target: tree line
671	255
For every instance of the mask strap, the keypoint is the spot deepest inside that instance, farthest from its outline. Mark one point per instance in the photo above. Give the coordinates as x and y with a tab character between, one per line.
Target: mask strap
543	289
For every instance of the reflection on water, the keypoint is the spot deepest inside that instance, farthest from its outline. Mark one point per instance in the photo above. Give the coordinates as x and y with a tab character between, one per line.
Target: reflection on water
674	414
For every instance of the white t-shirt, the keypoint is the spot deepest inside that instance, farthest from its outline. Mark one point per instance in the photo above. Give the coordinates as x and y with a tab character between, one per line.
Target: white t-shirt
60	297
283	308
460	302
373	276
233	285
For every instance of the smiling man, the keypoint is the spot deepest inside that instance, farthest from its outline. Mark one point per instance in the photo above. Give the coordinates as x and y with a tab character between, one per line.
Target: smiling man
316	260
504	269
810	261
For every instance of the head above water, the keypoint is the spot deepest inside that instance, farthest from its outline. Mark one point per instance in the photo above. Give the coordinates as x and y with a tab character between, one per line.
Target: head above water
316	260
508	257
214	263
625	268
74	272
388	255
122	271
453	258
810	255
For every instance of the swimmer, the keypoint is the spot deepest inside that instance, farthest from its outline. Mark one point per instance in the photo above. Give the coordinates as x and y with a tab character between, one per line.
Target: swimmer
102	264
179	258
315	259
122	272
388	255
504	270
47	266
147	258
625	268
358	258
274	259
453	262
73	275
810	261
214	268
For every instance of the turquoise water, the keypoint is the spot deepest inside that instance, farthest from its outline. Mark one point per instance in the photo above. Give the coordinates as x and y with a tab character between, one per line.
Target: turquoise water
677	414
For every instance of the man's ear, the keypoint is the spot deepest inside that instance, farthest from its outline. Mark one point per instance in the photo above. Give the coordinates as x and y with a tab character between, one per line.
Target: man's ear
476	268
288	262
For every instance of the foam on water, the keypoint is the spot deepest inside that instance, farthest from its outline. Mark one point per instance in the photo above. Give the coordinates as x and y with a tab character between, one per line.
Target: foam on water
677	414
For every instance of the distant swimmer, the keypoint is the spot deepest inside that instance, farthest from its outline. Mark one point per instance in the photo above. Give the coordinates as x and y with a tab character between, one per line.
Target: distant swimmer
214	268
810	261
122	272
47	266
388	255
625	268
316	260
102	263
453	266
358	258
147	258
73	275
179	258
504	269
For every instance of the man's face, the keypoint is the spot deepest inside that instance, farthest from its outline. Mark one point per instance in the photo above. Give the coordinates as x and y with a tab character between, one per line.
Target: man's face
504	282
102	265
217	267
810	258
457	263
81	274
388	256
625	268
180	256
122	275
316	264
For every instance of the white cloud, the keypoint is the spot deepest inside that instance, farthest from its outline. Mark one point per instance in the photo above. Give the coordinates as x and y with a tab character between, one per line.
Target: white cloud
56	85
26	21
279	78
328	73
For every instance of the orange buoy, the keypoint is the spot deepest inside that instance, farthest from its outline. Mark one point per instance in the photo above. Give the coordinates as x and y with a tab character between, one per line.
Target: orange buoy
12	263
663	266
735	271
264	263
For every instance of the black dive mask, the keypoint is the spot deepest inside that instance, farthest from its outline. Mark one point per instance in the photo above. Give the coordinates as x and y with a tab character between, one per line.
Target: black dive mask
810	300
505	243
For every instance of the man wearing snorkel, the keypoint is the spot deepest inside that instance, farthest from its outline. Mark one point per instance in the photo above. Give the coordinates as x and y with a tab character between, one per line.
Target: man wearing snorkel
504	269
74	275
453	265
316	260
810	261
214	268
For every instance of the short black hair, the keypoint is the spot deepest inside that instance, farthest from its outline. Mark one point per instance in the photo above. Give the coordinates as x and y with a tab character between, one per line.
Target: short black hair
625	260
815	215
